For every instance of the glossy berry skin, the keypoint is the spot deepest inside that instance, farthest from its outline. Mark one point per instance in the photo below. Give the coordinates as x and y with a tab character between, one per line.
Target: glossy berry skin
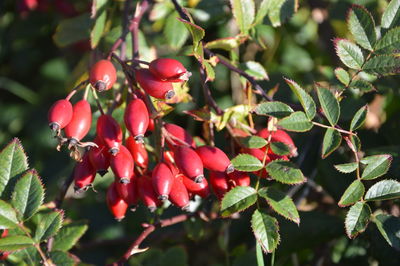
162	180
60	114
136	119
167	69
179	133
84	174
110	133
219	183
279	136
150	127
154	86
99	158
258	153
147	194
81	121
214	159
189	163
128	192
138	152
103	75
201	189
122	165
237	178
179	195
115	203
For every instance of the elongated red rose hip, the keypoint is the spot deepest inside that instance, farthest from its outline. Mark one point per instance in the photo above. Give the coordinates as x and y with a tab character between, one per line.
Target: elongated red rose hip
60	114
122	165
214	159
103	75
80	123
154	86
189	163
147	194
200	189
219	183
109	131
84	174
99	157
237	178
279	136
128	192
136	119
162	180
179	133
115	203
179	195
138	151
168	69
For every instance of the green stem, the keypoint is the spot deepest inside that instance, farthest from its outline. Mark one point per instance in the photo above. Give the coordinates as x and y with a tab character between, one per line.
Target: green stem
335	128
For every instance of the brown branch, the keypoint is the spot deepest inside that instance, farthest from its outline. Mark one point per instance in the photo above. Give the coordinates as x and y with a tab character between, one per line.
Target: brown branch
207	93
141	8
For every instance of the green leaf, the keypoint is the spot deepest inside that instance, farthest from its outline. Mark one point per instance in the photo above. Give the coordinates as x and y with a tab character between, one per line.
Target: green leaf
13	162
175	32
389	43
383	65
297	122
349	53
62	258
29	255
342	75
355	141
255	69
253	142
357	219
285	172
69	235
280	10
100	22
238	199
210	73
331	142
383	190
362	85
28	195
197	33
281	203
329	104
359	118
244	12
377	165
47	224
353	193
8	217
362	26
12	243
73	30
259	254
227	43
279	148
246	163
266	230
391	15
389	227
305	99
19	90
275	109
346	167
262	11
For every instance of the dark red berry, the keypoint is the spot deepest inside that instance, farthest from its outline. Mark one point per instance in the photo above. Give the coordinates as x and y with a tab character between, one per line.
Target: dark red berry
115	203
103	75
60	114
99	157
122	165
128	192
84	174
189	163
109	131
168	69
150	127
162	179
179	195
136	119
219	183
138	152
147	194
80	123
214	159
154	86
200	189
180	134
237	178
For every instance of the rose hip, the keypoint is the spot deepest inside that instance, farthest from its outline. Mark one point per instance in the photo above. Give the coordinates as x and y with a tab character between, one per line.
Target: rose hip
200	189
147	194
138	152
162	180
103	75
154	86
115	203
80	123
109	131
219	183
168	69
178	133
189	163
60	114
84	174
179	195
214	159
122	165
136	119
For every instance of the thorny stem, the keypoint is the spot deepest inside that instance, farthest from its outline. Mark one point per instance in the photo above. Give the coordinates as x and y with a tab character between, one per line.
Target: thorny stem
335	128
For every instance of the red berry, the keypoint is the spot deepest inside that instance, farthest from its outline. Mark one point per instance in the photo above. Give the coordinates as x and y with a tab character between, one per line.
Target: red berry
122	165
162	179
258	153
136	119
138	152
154	86
214	159
84	174
109	131
189	163
200	189
237	178
99	157
179	133
219	183
4	233
80	122
150	127
4	255
147	194
128	192
103	75
168	69
279	136
179	195
115	203
60	114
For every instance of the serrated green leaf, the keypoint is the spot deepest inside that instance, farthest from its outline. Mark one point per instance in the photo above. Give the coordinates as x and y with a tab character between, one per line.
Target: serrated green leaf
8	216
362	85
389	43
383	190
331	142
13	162
280	10
349	53
246	163
210	73
346	167
29	255
391	15
47	224
69	235
62	258
357	219
11	243
255	69
262	11
244	13
279	148
329	104
197	33
266	230
281	203
275	109
285	172
175	32
238	199
362	26
73	30
99	24
28	195
377	165
389	227
353	193
297	122
355	141
305	99
227	43
383	65
359	118
342	75
253	142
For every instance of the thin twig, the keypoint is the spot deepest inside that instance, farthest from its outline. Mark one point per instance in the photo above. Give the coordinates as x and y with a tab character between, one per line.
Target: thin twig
207	93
